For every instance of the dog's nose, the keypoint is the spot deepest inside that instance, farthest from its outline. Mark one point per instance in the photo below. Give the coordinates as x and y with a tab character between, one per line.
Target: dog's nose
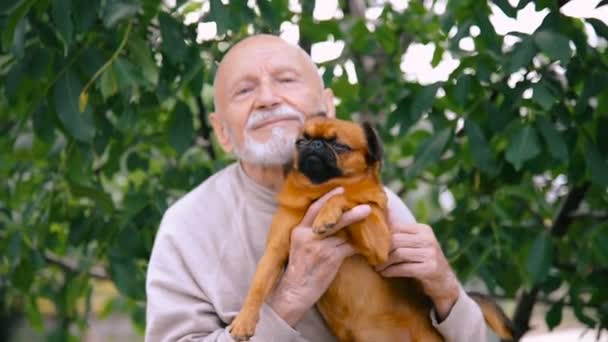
316	144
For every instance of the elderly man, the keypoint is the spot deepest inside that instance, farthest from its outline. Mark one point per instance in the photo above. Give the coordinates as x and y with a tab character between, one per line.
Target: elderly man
209	241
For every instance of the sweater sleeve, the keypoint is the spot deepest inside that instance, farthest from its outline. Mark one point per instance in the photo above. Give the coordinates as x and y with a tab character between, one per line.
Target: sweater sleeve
178	309
464	323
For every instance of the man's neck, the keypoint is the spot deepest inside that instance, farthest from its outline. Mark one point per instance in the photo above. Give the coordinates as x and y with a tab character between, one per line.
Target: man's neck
270	177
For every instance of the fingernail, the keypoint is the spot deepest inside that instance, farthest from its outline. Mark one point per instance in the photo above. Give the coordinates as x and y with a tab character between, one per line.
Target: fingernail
365	209
339	190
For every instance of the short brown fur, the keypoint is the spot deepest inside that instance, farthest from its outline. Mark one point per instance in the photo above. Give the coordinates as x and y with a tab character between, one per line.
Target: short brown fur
360	304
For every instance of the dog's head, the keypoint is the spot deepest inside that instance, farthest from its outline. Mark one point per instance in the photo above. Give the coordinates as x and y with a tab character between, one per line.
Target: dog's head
330	148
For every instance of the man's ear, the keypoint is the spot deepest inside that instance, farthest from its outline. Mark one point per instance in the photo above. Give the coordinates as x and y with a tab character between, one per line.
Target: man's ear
328	100
374	145
221	132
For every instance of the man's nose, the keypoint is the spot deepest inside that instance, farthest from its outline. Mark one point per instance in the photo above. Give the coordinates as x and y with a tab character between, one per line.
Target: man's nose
267	97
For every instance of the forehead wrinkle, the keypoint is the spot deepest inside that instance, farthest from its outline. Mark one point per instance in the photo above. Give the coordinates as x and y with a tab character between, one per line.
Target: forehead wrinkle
264	42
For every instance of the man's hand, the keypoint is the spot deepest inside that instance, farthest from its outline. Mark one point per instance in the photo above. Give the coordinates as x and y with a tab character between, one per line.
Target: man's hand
313	262
416	253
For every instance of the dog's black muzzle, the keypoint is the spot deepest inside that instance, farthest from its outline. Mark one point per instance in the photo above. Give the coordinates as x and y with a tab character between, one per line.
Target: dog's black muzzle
317	161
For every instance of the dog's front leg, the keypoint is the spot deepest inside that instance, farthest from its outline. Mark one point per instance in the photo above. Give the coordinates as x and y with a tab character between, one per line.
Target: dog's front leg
330	214
268	270
372	237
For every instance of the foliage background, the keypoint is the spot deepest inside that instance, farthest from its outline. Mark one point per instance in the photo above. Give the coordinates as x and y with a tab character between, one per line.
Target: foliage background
524	157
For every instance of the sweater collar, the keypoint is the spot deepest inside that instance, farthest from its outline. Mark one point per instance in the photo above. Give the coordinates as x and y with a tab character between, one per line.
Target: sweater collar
262	197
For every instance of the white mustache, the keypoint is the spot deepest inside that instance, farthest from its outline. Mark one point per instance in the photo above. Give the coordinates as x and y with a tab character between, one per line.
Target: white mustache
259	117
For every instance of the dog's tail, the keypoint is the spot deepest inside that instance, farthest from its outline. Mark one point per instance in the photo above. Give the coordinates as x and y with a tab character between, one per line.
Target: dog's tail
496	319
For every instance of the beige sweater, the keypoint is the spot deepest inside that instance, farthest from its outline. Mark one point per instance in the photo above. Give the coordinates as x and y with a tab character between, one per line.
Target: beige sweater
204	257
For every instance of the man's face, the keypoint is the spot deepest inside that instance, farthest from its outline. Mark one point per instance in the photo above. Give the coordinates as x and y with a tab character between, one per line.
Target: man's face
265	89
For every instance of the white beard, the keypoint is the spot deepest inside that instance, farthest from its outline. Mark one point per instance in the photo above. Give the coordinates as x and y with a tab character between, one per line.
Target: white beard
280	146
277	150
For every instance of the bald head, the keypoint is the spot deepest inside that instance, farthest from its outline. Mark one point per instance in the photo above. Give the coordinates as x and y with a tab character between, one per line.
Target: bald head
264	88
259	48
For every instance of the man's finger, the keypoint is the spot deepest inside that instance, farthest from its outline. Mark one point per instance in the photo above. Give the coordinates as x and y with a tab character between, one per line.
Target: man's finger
316	206
401	255
413	270
355	214
333	241
410	228
345	250
400	240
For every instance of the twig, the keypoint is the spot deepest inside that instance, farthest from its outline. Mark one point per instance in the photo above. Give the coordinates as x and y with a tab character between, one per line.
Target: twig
83	93
523	311
71	266
205	130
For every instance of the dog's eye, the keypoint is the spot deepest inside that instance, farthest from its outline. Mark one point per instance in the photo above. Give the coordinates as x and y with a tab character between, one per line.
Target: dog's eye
341	147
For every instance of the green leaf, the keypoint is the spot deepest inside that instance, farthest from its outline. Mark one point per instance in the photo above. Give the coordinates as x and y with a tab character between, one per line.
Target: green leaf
387	39
600	241
543	96
554	315
66	96
553	139
540	258
86	14
318	31
600	28
523	146
523	3
19	39
270	16
174	45
424	100
98	196
506	8
521	56
33	314
62	17
482	155
596	164
579	310
437	56
181	128
126	74
108	85
142	57
429	152
116	11
15	16
23	276
554	45
221	15
43	124
462	89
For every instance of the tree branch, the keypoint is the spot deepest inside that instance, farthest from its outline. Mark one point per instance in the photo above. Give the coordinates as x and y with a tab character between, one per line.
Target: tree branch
71	266
525	305
205	129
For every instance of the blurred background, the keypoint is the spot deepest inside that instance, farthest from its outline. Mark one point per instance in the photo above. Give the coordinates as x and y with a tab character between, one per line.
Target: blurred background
494	116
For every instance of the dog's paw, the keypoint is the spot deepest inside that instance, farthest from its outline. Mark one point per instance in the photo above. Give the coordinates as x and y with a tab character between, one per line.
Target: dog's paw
375	257
243	327
325	221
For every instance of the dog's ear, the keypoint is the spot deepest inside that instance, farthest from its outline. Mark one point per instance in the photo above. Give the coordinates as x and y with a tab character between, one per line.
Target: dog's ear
374	145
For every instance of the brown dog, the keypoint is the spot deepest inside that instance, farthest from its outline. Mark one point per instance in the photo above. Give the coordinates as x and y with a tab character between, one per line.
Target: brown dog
332	153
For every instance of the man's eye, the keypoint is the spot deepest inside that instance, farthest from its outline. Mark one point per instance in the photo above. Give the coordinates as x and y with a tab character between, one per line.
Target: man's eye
286	80
243	91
